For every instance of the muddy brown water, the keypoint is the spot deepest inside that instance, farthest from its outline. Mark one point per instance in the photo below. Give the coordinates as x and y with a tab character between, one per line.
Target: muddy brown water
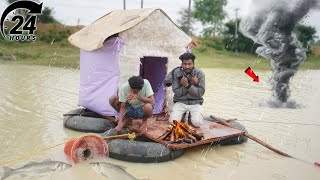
33	99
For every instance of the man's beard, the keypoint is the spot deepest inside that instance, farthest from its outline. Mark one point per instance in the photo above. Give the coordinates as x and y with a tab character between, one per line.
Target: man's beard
187	71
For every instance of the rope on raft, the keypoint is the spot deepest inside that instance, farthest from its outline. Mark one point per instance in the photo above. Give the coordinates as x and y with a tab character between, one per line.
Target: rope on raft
131	136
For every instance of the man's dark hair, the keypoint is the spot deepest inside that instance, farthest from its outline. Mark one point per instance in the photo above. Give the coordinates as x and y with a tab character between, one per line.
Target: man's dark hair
136	82
187	56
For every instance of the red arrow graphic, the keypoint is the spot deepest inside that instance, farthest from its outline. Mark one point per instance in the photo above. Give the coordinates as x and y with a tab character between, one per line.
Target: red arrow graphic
251	74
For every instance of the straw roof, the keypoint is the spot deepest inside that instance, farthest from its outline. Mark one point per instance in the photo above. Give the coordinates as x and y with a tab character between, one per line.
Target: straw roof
93	36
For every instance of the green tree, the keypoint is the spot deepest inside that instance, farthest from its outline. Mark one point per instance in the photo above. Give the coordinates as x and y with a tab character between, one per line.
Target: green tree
211	14
46	16
241	43
305	34
183	21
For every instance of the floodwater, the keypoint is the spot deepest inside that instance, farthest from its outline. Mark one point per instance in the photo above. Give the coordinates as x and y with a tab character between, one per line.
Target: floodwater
33	99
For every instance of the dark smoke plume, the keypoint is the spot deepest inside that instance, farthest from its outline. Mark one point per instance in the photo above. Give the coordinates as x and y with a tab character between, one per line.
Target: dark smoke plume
272	26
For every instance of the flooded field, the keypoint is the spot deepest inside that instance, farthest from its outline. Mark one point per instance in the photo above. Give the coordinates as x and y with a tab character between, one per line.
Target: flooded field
33	99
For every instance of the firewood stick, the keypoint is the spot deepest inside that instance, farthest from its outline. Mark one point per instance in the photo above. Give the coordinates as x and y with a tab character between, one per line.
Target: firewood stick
172	136
199	136
191	137
222	121
187	128
174	123
189	141
163	136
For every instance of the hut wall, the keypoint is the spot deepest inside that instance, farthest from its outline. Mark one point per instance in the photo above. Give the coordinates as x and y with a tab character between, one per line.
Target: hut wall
155	36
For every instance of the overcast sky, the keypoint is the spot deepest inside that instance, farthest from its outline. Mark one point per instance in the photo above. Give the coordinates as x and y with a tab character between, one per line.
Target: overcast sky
87	11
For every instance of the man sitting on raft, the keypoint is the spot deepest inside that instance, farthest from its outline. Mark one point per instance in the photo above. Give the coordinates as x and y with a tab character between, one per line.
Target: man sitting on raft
135	101
188	86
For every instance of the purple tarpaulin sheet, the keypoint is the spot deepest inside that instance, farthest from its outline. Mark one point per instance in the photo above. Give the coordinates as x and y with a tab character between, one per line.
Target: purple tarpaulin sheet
99	77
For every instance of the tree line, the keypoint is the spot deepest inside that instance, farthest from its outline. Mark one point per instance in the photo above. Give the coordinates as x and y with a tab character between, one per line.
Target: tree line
212	16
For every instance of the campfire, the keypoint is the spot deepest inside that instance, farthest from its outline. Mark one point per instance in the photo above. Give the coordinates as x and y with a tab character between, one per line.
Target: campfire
179	132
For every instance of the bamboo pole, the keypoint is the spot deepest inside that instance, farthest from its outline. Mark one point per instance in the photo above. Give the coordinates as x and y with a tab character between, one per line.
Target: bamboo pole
222	121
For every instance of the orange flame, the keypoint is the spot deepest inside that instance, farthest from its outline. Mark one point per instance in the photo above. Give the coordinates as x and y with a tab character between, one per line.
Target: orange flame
179	133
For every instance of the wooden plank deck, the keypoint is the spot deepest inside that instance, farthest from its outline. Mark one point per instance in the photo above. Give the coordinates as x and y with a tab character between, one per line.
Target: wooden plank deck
212	132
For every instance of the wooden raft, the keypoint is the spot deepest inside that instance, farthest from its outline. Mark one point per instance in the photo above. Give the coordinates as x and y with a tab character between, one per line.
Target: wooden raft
212	132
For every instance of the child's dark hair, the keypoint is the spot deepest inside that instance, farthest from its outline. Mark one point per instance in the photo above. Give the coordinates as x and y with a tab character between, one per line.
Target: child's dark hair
136	82
187	56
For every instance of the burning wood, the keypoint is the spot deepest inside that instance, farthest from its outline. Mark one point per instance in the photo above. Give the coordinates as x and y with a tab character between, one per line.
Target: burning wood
179	132
168	131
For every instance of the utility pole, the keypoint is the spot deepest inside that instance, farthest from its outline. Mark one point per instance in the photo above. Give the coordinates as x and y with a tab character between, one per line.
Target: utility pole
124	4
236	32
189	17
141	4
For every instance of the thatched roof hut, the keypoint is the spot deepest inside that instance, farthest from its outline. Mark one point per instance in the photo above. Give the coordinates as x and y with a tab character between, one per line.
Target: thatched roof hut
124	43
